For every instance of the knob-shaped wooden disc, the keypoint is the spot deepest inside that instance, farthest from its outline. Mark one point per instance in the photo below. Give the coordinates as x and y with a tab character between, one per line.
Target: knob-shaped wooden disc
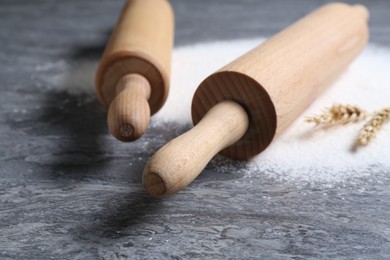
140	44
243	106
244	90
279	79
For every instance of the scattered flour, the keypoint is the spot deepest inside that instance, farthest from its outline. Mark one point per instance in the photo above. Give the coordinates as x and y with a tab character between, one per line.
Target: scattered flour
76	77
302	152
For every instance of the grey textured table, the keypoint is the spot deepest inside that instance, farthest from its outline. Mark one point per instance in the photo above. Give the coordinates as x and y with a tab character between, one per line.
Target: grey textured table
69	190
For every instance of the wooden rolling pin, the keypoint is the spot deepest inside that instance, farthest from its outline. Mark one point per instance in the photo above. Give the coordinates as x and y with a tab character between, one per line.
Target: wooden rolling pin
132	80
239	109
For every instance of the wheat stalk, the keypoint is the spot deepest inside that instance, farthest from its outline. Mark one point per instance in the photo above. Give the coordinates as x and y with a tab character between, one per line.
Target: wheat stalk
370	129
338	114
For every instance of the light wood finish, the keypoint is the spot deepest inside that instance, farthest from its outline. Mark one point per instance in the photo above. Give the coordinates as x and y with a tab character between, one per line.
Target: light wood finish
140	44
279	79
129	113
274	83
222	126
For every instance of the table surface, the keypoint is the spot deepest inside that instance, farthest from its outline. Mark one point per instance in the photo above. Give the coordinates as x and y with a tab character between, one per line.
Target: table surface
69	190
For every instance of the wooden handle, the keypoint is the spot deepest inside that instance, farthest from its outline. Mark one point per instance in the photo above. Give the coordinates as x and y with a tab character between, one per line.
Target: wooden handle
141	43
181	160
276	81
273	83
129	113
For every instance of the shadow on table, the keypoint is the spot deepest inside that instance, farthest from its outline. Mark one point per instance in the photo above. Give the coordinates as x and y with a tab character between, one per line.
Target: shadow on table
123	215
80	126
75	116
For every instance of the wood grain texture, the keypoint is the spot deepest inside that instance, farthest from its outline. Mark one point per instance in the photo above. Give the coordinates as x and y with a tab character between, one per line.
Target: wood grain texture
141	43
180	161
129	113
69	190
243	89
273	83
279	79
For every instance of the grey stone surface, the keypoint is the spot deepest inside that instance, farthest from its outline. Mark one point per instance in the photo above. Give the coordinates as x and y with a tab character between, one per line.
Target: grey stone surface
68	190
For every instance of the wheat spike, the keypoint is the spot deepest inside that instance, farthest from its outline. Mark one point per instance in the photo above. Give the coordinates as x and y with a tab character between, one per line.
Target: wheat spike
370	129
338	114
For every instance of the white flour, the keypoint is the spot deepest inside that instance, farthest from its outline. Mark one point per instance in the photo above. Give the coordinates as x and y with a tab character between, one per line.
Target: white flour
302	152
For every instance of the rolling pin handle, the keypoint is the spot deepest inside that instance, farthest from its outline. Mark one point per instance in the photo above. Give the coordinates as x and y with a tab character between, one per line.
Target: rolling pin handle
363	10
181	160
129	112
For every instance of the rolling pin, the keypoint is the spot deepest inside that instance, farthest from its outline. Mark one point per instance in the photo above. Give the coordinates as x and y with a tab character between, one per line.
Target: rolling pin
238	110
132	80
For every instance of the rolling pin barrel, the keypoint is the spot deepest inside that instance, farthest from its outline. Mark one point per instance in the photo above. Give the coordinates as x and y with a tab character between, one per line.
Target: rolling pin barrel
272	83
133	76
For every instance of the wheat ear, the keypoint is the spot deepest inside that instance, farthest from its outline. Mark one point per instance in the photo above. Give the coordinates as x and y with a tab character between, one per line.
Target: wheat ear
338	114
370	129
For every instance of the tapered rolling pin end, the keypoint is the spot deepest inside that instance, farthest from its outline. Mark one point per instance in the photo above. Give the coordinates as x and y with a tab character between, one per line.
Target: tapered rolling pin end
132	80
129	113
238	110
153	183
181	160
